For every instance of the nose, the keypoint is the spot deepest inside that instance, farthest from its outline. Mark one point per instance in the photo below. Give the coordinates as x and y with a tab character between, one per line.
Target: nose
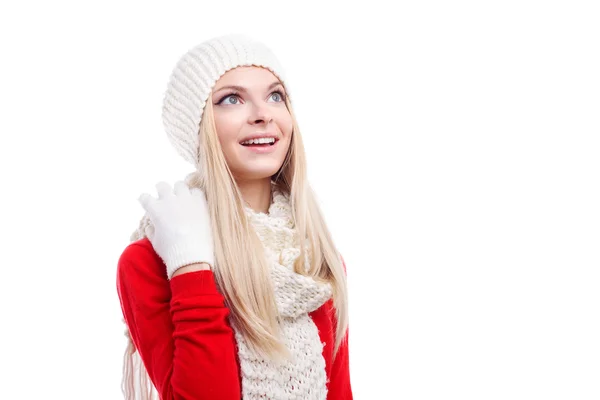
260	114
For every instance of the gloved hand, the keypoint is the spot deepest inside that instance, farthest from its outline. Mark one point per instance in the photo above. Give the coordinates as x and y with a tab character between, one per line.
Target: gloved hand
182	231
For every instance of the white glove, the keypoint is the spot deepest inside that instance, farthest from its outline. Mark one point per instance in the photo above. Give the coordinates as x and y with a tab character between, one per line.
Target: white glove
182	231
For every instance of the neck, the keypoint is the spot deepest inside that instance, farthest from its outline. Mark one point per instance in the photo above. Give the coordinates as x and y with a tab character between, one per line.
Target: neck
256	193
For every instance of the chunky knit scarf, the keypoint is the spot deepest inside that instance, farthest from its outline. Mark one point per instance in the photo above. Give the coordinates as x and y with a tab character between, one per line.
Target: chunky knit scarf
303	377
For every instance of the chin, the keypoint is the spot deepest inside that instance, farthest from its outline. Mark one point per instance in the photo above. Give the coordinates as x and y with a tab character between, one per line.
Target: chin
258	173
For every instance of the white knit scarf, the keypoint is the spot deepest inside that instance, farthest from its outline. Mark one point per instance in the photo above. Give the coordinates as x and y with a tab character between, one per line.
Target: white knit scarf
303	377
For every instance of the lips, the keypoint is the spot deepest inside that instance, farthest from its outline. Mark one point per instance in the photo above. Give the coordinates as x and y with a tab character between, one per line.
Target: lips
262	148
270	143
260	135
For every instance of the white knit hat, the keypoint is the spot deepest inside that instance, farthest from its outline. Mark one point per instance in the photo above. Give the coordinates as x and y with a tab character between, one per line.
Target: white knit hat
193	79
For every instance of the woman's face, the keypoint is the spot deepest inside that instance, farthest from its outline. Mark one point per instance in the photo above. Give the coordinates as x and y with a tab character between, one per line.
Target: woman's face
248	103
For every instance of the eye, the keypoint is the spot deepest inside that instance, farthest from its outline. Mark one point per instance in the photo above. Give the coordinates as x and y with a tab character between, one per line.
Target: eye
278	96
229	96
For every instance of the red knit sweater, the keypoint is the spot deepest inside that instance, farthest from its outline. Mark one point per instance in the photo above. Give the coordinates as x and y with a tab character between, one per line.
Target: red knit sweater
181	331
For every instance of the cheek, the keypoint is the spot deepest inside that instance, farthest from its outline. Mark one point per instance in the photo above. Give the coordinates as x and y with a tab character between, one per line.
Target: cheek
287	137
227	128
284	122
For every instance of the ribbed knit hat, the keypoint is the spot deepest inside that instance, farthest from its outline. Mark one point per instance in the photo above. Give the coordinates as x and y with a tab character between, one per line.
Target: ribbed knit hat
193	79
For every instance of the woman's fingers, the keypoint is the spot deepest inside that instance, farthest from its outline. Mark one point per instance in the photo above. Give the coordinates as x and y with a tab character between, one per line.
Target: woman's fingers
181	189
164	190
145	199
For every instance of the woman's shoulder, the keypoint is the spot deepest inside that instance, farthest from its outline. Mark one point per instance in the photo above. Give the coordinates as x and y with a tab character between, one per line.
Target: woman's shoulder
140	259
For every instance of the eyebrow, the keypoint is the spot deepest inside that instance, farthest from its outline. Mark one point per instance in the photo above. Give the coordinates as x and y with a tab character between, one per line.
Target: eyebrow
243	89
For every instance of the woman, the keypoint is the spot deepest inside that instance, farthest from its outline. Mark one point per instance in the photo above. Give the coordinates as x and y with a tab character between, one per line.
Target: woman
221	298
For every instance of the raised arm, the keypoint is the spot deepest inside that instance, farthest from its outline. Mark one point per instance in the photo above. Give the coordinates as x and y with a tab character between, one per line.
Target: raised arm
179	327
179	320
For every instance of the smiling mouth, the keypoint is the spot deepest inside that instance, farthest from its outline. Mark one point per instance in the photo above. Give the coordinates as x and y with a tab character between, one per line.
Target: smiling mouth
262	148
260	144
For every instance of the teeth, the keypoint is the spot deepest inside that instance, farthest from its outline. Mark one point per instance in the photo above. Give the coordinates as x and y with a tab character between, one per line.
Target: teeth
259	141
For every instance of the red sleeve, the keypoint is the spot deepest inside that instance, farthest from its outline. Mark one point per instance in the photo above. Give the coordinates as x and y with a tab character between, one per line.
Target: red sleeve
339	384
179	327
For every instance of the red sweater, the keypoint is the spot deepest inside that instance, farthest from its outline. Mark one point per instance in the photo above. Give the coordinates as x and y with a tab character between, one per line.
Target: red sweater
181	331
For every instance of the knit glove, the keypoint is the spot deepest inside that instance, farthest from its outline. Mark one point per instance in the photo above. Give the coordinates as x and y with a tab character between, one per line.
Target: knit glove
182	231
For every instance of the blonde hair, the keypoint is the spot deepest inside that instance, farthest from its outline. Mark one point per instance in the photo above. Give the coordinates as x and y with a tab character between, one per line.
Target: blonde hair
241	270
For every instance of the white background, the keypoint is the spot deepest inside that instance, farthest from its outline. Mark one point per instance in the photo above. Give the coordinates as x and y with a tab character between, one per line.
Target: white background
454	147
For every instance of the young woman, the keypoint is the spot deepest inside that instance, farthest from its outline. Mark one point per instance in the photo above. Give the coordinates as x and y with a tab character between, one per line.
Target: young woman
221	298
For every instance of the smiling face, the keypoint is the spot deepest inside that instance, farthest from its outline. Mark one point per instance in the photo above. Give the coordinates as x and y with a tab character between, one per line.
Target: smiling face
249	103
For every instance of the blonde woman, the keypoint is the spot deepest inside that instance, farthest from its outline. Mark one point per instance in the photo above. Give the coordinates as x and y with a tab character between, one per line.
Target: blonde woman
221	298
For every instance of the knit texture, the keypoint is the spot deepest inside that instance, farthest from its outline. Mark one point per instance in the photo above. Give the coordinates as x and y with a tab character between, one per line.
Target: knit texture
193	79
304	376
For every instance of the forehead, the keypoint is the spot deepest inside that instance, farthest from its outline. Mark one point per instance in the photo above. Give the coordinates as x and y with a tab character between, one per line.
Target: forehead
248	76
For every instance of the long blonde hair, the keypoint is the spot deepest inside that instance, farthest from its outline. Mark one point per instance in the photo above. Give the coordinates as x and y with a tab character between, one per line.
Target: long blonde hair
241	270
